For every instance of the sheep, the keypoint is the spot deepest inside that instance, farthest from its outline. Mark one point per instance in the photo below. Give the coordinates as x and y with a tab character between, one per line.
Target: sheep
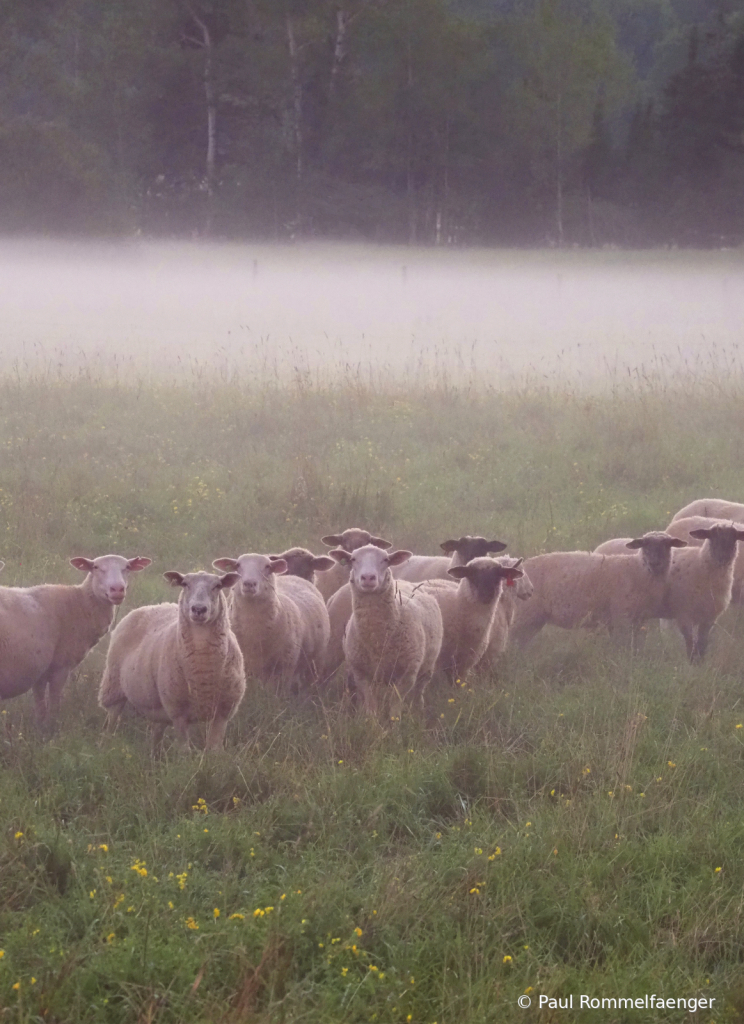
177	663
349	540
46	630
579	588
468	608
712	508
506	609
281	621
430	567
683	528
394	635
303	563
700	584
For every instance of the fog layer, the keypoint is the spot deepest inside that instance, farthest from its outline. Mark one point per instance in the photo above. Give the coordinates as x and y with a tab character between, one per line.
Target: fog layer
269	310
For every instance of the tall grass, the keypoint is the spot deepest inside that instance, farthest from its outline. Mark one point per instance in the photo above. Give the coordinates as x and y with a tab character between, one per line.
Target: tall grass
572	826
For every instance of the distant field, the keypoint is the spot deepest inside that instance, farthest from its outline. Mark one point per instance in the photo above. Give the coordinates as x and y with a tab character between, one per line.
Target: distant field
574	826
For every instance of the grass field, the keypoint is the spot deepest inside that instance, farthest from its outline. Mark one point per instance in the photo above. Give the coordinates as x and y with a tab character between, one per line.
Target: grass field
572	827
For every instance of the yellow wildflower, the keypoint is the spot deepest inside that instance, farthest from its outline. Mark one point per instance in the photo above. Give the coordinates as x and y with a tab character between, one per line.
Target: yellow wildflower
507	960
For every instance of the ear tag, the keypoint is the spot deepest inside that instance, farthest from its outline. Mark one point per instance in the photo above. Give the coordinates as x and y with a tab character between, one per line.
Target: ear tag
510	582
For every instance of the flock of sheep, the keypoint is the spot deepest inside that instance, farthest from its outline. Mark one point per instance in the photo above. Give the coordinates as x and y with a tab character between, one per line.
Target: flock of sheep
393	617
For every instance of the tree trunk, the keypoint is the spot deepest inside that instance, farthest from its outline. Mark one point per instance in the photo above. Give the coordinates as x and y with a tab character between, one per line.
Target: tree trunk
559	173
339	49
211	120
296	94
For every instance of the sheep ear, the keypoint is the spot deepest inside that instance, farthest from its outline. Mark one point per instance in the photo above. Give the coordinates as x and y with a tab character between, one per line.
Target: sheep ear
340	556
701	534
278	566
398	557
83	564
512	573
740	534
637	542
496	545
138	563
449	546
459	572
174	578
333	540
380	543
226	564
675	542
322	563
229	580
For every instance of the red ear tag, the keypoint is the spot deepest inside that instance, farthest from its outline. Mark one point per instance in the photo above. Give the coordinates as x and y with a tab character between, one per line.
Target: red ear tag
510	582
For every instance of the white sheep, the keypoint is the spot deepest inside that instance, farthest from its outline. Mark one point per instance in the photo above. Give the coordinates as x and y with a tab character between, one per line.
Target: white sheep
430	567
394	635
349	541
281	621
712	508
579	588
700	584
683	528
468	608
177	664
303	563
46	630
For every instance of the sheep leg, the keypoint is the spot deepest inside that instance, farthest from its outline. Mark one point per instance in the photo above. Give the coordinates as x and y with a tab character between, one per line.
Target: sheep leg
113	714
158	730
56	682
181	725
40	702
367	693
687	633
216	734
701	642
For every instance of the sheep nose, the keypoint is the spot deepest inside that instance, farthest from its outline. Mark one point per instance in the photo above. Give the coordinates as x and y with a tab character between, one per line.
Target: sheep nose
200	610
369	577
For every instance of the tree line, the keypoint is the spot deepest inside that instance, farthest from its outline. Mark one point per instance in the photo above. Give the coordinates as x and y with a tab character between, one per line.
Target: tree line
559	122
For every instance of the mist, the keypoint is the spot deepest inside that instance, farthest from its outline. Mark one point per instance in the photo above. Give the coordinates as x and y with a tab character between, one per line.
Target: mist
166	308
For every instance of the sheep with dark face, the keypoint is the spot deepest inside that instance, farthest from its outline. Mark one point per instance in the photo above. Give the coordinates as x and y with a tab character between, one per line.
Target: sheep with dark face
431	567
700	584
177	663
685	529
579	588
393	638
468	608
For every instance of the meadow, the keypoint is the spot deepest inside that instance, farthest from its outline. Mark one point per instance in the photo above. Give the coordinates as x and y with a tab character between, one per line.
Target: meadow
573	825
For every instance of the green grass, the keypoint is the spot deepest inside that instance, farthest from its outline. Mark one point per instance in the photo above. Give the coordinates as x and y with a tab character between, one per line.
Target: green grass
611	785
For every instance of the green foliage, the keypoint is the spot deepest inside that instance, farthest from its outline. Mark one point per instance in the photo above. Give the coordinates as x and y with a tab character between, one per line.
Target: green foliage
410	120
